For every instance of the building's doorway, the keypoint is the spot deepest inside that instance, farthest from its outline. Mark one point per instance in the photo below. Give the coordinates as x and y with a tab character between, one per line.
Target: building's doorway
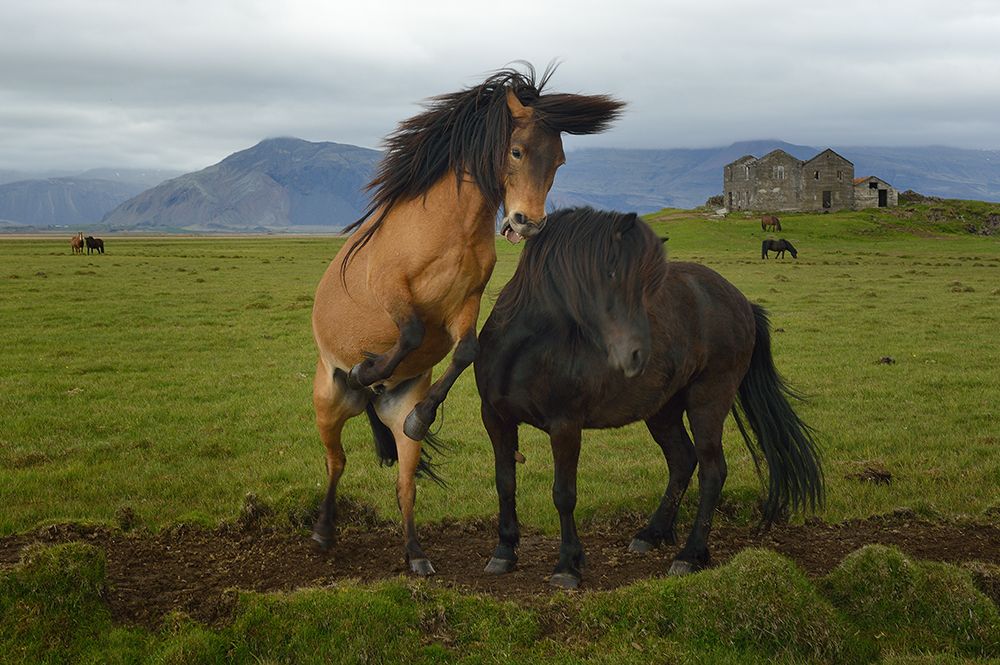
883	198
827	199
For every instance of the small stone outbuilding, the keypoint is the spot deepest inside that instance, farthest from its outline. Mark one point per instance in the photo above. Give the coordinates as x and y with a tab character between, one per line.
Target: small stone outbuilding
872	192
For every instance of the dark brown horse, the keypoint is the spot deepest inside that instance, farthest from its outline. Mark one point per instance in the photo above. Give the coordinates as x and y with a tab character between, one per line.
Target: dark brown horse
405	289
76	243
770	221
779	246
94	244
596	330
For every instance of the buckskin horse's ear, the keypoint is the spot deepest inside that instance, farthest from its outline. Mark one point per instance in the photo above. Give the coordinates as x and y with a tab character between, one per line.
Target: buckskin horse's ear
520	112
623	224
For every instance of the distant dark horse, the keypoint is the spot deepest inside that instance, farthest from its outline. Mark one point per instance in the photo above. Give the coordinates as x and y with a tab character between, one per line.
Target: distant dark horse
596	330
778	246
94	244
770	220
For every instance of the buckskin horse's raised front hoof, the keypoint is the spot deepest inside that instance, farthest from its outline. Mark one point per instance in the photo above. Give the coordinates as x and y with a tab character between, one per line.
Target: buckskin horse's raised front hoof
565	581
415	427
421	567
500	566
680	568
640	546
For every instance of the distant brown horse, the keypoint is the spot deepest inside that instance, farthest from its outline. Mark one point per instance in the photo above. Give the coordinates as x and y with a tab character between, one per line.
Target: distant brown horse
76	243
770	221
405	289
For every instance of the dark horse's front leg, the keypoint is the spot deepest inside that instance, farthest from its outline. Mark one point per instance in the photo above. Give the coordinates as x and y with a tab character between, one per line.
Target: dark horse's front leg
565	440
463	330
503	435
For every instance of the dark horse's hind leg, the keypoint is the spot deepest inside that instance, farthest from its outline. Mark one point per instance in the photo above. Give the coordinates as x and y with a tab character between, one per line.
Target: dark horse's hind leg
565	441
667	428
503	435
707	412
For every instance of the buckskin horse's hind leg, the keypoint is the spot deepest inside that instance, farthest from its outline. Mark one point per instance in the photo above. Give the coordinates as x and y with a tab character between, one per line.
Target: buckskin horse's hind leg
334	403
667	428
463	330
392	407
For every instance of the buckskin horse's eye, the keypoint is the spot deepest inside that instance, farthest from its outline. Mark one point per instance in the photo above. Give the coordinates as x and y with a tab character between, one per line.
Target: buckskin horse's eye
516	153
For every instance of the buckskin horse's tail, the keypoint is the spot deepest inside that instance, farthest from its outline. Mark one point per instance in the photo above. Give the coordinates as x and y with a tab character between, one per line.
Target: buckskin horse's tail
795	477
385	447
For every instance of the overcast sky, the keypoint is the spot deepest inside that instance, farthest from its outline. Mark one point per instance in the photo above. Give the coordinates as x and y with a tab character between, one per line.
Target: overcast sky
181	84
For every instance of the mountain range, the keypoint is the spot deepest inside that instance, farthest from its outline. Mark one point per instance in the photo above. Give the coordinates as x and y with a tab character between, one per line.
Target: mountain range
287	184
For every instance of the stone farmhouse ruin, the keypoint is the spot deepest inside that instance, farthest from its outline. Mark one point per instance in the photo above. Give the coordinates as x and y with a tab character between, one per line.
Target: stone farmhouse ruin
780	182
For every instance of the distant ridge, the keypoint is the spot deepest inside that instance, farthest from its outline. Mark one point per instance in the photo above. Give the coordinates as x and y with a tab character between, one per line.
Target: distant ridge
278	184
288	184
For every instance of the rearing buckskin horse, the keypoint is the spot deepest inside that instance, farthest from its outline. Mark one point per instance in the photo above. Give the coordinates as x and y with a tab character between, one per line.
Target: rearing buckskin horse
770	221
405	289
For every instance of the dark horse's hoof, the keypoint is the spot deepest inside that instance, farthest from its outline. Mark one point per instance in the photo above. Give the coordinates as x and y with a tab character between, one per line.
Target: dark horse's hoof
421	567
640	546
322	543
415	427
500	566
680	568
565	581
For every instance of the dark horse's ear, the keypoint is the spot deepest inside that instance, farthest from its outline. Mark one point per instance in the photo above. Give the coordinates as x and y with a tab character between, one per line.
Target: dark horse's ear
623	224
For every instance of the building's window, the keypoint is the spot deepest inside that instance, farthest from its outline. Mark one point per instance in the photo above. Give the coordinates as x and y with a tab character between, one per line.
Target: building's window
747	171
815	175
779	172
872	185
840	175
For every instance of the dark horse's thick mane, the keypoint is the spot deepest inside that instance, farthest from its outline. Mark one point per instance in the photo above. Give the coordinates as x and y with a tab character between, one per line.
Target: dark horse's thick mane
469	131
581	250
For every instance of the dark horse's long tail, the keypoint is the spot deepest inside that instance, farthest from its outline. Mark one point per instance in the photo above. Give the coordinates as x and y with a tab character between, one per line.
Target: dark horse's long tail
385	448
792	456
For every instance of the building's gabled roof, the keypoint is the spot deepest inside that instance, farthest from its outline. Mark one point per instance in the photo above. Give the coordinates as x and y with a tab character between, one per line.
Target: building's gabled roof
832	152
741	160
859	181
779	153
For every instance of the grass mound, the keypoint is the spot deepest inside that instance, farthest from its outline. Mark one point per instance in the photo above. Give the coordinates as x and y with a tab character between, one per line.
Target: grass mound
914	606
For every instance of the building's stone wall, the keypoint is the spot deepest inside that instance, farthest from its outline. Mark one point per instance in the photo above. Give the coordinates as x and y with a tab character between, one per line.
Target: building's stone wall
828	183
778	185
867	193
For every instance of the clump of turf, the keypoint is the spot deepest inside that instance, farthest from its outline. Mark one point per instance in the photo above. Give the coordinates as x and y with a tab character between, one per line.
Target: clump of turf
913	606
759	605
51	609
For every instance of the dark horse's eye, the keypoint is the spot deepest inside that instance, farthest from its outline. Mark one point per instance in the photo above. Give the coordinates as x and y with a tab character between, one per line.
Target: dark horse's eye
516	153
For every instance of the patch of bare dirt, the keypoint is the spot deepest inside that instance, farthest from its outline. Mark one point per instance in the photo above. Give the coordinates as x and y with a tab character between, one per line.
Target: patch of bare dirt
194	569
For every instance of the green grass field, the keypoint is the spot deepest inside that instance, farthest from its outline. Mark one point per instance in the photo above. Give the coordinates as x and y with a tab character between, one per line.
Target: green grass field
173	376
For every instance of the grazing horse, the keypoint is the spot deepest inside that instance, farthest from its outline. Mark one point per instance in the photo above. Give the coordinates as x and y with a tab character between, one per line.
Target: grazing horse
778	246
770	221
76	243
95	244
596	330
406	287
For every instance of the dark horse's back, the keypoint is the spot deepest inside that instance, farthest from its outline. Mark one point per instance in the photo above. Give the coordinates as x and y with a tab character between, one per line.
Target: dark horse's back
700	324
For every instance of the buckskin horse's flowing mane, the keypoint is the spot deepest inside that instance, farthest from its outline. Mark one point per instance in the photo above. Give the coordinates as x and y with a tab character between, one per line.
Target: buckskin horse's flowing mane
469	132
582	248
